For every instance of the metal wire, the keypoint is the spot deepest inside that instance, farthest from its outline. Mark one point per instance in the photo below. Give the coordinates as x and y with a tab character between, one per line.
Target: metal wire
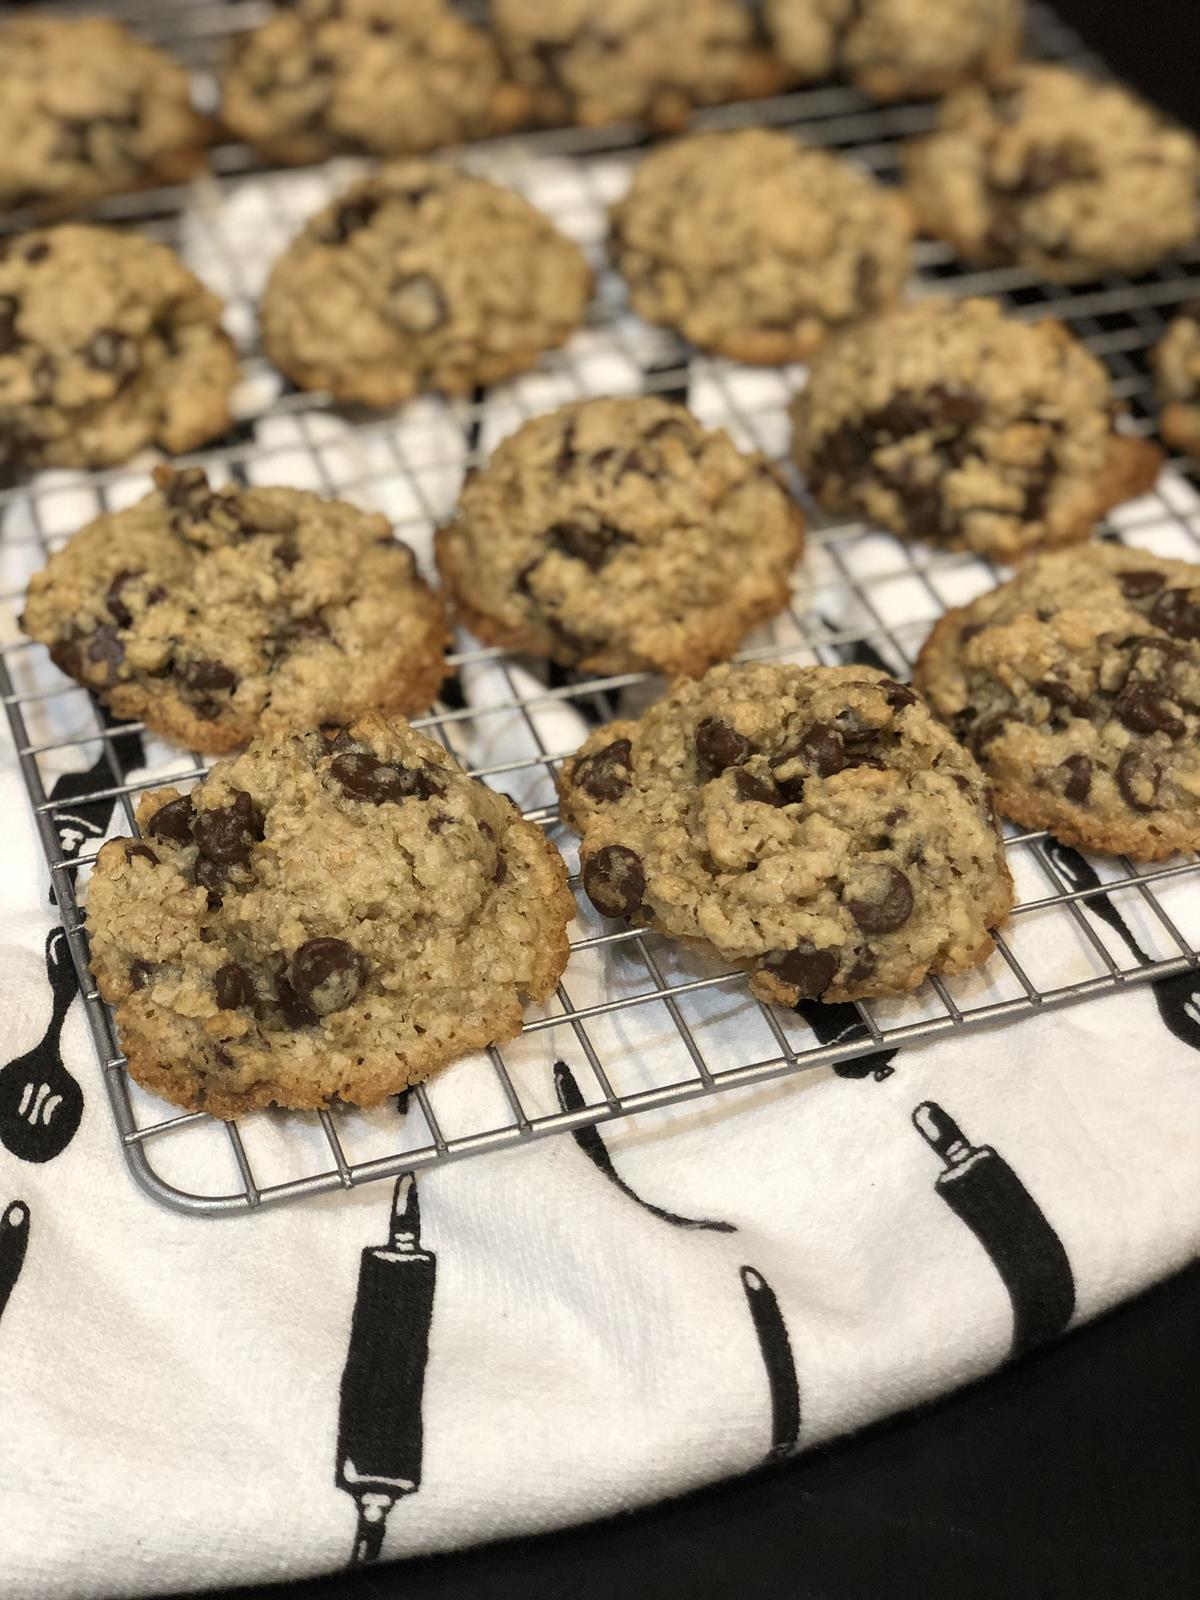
846	606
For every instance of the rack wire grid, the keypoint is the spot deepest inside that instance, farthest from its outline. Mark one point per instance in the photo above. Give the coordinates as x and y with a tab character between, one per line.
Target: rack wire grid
641	1025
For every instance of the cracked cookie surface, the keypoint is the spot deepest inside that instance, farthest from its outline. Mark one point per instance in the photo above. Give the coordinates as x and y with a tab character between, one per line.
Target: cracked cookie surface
386	77
212	615
947	421
1077	685
1176	361
328	916
892	48
88	109
755	247
107	344
421	278
597	61
813	825
621	535
1056	173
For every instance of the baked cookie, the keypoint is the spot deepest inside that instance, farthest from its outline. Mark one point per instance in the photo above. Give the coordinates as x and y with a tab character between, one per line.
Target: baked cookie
619	536
813	825
896	48
87	109
1176	361
107	344
1053	172
750	245
214	615
421	278
945	420
330	916
1077	685
596	61
388	77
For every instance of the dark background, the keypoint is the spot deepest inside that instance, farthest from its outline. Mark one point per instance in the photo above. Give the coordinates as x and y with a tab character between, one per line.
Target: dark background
1073	1475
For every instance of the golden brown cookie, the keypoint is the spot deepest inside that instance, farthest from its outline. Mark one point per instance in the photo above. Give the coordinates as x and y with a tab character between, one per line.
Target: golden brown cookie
1176	361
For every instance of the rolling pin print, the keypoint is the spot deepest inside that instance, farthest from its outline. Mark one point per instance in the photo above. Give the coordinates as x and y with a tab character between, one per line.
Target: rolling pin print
380	1429
982	1189
40	1102
14	1239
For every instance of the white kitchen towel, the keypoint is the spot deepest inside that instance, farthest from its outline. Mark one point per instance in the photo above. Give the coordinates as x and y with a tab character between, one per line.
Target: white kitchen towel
598	1320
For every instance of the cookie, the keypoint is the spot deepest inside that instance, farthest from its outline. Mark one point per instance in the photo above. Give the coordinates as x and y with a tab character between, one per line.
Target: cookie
107	344
896	48
813	825
1050	171
947	421
1176	362
87	109
421	278
620	536
329	916
214	615
754	247
592	61
1077	685
383	77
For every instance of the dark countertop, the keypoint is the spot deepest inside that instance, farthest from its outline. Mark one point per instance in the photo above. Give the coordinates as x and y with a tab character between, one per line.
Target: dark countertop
1073	1475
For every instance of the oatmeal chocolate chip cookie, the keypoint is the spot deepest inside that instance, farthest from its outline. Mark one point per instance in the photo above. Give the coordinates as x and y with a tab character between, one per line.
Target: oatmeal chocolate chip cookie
895	48
421	278
1077	686
1068	178
621	535
597	61
1176	362
213	615
107	344
752	246
947	421
330	916
813	825
87	109
390	77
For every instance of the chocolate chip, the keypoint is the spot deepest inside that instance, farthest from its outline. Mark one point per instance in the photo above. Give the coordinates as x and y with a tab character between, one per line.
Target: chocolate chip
294	1011
362	776
210	876
1140	585
1047	165
822	747
109	350
142	850
37	252
1138	779
614	881
1142	709
225	833
105	648
349	217
336	739
887	902
501	872
605	774
956	408
718	745
233	987
206	676
842	453
748	787
1037	493
140	973
591	545
117	609
294	632
1077	782
1177	613
671	428
173	821
326	974
808	971
417	304
9	306
898	695
988	728
1063	698
1004	237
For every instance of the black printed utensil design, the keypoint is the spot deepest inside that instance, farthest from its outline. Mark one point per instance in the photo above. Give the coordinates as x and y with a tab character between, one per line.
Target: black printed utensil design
40	1102
1177	997
982	1189
380	1430
570	1098
838	1022
14	1240
83	823
776	1349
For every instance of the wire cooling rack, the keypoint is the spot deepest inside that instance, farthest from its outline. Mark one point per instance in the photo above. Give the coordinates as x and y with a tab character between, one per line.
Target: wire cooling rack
639	1024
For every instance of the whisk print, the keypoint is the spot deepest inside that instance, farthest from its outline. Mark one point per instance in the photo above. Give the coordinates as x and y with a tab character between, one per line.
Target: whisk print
776	1349
41	1103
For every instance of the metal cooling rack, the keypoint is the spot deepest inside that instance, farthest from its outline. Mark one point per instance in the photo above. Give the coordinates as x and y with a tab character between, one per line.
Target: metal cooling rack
860	596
